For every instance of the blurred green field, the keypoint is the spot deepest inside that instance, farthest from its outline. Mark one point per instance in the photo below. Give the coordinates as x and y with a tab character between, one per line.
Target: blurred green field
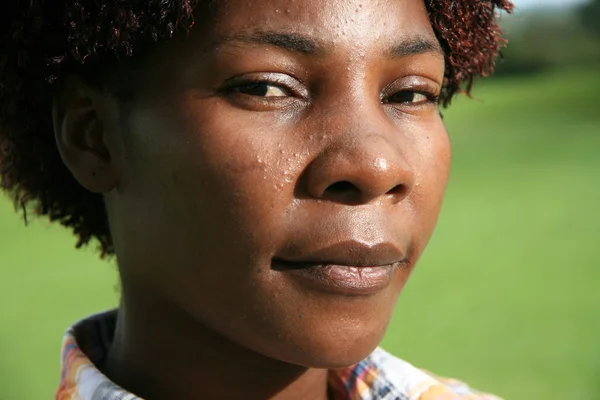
507	296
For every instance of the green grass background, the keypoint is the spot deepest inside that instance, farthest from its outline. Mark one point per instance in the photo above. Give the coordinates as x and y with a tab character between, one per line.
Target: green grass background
506	297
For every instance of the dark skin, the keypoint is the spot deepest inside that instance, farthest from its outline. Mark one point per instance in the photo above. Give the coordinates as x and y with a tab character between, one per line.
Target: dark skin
276	129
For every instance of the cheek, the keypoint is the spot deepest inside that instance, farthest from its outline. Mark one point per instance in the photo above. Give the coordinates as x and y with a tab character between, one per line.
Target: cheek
436	157
203	184
434	160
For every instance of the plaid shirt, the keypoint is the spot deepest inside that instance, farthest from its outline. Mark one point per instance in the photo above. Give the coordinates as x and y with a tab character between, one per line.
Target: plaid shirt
379	377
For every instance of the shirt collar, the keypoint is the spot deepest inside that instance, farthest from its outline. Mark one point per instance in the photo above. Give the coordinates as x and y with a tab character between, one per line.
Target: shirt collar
380	376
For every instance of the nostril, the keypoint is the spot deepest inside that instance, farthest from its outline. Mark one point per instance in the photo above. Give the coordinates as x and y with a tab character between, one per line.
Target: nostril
341	187
349	193
398	190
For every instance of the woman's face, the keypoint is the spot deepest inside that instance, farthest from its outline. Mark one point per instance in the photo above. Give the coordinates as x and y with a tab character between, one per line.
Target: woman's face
281	170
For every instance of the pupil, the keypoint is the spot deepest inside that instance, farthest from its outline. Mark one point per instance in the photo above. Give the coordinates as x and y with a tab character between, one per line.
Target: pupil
257	89
403	97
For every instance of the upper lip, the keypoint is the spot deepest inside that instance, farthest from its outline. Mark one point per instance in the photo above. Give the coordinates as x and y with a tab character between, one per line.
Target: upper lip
349	253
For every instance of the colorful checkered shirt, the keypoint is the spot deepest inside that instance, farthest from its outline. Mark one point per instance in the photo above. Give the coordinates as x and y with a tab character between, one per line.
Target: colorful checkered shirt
380	376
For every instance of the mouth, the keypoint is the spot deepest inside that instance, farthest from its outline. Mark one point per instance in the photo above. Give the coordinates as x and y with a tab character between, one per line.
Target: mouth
349	268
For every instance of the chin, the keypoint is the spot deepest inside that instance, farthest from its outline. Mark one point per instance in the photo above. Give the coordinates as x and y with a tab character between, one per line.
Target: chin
339	349
336	357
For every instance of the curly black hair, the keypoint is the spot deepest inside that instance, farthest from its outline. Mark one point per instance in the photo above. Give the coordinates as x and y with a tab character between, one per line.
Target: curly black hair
41	42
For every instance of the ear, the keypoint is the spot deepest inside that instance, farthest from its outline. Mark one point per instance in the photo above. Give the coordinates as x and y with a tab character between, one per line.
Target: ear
81	115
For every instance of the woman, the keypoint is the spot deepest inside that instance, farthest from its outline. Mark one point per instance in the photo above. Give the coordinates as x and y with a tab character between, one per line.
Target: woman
267	174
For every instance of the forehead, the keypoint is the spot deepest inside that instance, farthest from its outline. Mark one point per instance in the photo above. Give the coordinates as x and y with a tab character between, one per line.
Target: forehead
360	24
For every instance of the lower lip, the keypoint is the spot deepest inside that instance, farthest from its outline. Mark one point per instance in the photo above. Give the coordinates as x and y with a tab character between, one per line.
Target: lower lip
342	279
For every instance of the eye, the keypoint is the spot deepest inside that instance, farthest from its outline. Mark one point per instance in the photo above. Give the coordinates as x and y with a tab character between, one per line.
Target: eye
262	89
409	97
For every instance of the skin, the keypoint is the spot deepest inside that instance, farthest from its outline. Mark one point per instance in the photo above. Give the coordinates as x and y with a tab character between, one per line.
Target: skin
207	178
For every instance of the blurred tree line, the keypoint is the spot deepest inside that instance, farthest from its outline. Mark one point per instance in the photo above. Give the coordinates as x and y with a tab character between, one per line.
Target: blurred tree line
542	39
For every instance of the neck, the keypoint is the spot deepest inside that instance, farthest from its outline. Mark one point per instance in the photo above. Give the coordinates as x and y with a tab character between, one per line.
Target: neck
159	352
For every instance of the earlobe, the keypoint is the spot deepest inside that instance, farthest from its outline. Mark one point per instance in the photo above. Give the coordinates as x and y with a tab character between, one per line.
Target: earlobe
79	126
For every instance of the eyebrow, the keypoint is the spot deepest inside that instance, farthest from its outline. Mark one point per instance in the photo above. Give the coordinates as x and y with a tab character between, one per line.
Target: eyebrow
287	41
416	46
307	45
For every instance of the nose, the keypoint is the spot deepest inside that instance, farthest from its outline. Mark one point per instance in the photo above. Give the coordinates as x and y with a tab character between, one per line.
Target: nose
358	171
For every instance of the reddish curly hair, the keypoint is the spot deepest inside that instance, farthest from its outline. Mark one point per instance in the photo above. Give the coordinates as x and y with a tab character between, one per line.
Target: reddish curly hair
41	42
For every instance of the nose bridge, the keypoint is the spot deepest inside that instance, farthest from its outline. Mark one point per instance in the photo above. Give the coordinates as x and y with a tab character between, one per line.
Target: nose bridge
362	159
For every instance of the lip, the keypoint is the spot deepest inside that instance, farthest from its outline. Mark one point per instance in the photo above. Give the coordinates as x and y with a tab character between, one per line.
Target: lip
341	279
348	268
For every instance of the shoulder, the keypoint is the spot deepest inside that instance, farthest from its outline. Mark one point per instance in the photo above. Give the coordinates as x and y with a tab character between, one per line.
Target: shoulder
384	376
